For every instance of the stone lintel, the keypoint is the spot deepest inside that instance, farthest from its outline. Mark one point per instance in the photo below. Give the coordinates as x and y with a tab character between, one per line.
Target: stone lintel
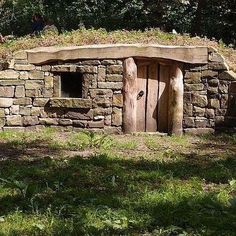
187	54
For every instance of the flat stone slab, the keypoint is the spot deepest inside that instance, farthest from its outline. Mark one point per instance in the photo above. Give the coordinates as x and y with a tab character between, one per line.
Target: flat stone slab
187	54
70	102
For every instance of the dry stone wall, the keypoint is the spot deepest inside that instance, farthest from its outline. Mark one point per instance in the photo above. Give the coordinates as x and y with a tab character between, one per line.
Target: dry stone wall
30	95
209	97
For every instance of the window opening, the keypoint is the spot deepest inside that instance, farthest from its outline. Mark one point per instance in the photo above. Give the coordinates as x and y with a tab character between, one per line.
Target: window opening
71	85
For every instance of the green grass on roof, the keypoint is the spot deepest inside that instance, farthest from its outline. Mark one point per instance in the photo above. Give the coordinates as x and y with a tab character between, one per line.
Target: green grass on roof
101	36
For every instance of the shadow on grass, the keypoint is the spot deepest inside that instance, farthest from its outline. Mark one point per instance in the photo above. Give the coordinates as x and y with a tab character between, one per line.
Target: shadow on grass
109	195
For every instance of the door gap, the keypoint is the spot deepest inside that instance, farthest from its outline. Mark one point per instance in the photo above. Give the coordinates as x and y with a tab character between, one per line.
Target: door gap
146	97
158	91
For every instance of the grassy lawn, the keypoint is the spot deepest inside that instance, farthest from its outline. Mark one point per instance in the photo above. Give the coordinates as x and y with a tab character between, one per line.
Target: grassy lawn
55	183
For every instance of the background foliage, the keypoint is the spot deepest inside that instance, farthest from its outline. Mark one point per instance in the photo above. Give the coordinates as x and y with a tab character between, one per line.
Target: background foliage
211	18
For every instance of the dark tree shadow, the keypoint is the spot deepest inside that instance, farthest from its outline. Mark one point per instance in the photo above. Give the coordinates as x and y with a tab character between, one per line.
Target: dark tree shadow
100	182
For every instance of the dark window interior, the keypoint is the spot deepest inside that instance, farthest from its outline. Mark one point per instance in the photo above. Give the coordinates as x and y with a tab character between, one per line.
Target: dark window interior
71	85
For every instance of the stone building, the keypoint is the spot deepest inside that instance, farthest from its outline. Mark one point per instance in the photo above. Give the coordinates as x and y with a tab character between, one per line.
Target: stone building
118	88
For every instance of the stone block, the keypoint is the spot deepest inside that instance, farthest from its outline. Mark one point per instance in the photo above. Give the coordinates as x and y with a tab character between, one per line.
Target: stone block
47	93
102	102
117	100
34	84
25	111
6	102
187	97
214	103
7	111
110	85
9	74
108	62
24	75
188	109
48	82
192	77
213	82
64	68
101	93
107	120
212	90
30	120
80	124
87	69
116	117
198	111
2	112
23	67
33	93
210	73
115	69
2	122
114	78
201	122
14	120
189	122
40	102
96	124
193	87
218	66
7	91
36	75
99	111
15	110
71	102
20	92
90	62
48	121
101	73
65	122
11	82
199	100
228	75
22	101
46	68
37	111
210	113
199	131
82	114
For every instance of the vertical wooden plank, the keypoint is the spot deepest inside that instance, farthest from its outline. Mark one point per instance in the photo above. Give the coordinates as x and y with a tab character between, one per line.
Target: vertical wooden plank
163	98
141	100
130	96
152	98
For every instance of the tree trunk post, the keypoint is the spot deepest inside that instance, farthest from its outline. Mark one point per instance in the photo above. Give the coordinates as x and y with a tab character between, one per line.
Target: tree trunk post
176	94
130	95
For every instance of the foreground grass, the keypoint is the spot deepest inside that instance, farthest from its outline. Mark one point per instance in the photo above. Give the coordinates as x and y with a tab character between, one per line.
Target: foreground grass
85	184
101	36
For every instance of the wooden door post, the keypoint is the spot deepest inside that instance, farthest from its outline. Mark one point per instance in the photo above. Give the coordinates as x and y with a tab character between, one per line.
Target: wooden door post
176	94
130	95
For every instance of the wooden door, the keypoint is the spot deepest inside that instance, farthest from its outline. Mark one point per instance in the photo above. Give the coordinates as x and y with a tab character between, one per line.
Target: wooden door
152	97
